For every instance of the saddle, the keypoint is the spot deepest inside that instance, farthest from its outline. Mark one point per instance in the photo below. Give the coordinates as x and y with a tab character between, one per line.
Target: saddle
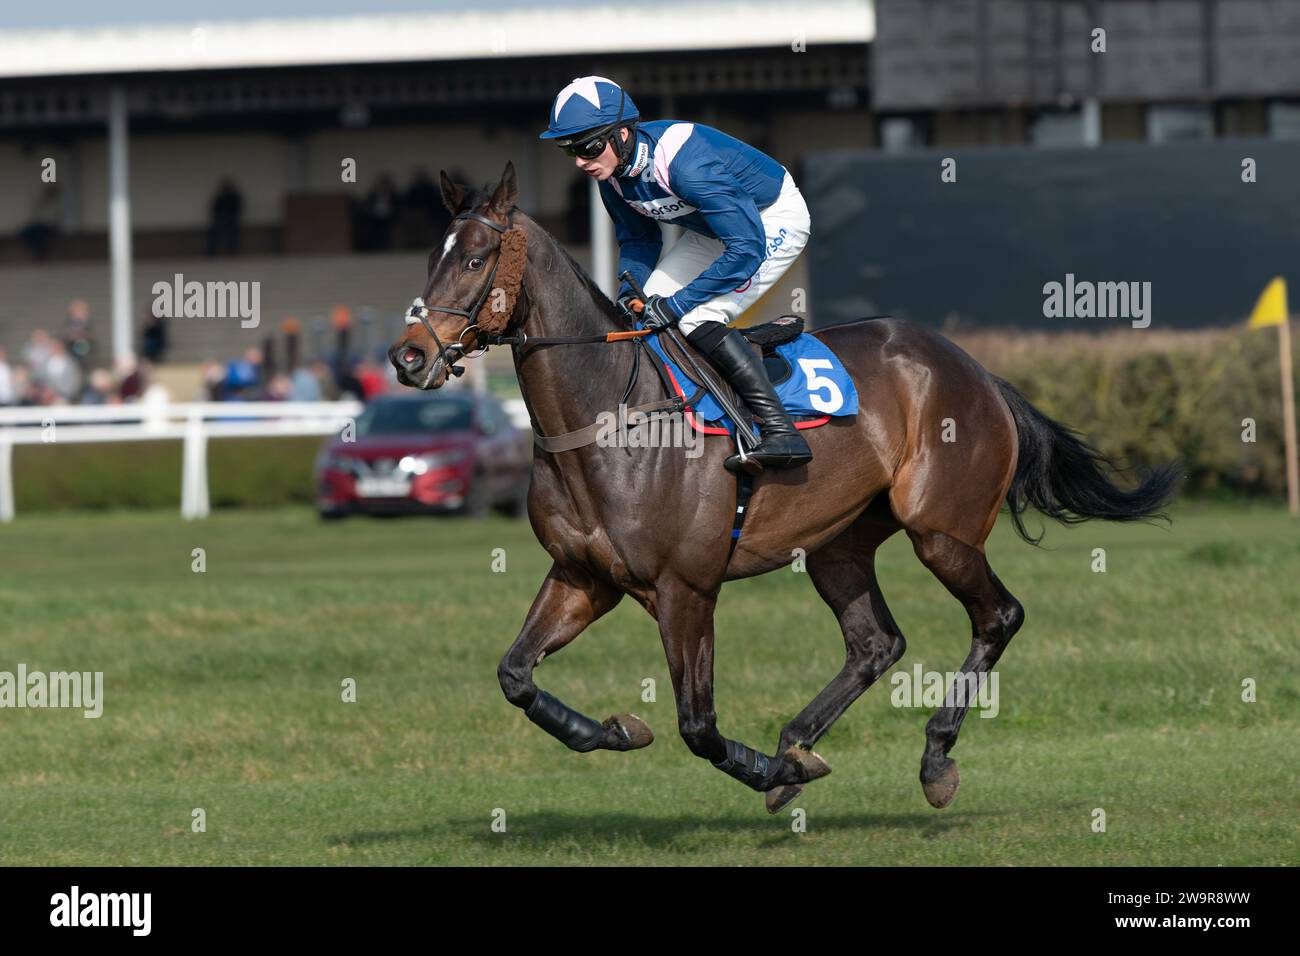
787	328
766	337
703	381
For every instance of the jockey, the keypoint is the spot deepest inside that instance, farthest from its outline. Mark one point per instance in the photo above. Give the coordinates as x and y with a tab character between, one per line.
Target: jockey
746	224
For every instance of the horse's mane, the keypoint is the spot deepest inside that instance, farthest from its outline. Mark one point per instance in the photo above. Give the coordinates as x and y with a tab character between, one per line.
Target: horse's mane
481	195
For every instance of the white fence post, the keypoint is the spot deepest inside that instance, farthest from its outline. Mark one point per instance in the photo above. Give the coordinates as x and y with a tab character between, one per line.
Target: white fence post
6	476
194	469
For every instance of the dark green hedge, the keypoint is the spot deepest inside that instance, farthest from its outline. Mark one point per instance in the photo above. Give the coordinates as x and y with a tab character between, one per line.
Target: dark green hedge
241	472
1150	397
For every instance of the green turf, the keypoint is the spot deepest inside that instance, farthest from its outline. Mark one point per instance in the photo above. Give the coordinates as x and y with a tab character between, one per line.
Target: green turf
222	691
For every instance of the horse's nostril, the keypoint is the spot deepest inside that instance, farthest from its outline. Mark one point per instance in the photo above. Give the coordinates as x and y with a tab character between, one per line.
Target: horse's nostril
407	358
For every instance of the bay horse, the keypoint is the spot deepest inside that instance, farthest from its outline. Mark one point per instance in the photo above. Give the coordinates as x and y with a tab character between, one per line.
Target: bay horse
937	446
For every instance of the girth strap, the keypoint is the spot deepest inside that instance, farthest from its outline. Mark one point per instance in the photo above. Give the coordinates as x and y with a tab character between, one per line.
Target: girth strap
586	436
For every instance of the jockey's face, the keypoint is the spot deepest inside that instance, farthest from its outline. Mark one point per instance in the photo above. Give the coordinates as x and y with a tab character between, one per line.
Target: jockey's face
602	167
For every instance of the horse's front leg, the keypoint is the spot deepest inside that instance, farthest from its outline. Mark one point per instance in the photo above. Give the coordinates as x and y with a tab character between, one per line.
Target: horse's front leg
686	625
570	600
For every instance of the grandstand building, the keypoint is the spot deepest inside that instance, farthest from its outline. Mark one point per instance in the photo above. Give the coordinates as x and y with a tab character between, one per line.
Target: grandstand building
145	122
168	112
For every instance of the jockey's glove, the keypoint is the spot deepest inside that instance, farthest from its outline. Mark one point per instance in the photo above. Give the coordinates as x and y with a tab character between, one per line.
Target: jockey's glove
658	314
625	305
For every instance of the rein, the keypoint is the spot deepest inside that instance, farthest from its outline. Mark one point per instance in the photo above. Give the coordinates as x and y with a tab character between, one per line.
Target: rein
418	313
520	342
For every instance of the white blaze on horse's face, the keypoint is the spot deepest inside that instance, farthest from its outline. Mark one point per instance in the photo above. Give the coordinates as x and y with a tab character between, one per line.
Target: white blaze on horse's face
412	318
447	246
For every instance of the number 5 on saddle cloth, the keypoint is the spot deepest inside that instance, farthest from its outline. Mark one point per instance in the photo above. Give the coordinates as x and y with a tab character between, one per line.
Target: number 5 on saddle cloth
808	378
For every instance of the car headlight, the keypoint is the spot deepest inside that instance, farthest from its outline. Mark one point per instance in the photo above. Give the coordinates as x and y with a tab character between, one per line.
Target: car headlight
433	460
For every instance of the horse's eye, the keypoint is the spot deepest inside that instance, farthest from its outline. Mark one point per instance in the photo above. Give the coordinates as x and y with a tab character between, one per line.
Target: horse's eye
476	263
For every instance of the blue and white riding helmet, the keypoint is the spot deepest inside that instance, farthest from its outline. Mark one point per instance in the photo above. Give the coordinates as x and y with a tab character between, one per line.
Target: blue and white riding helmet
588	107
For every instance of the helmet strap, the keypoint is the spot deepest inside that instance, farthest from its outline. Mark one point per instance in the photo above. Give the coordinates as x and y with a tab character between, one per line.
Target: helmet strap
624	148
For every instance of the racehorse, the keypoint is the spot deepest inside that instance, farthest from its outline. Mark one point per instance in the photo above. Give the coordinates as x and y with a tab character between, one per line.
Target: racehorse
937	446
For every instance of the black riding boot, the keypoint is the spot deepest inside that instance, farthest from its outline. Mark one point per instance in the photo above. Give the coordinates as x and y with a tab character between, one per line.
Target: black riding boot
781	445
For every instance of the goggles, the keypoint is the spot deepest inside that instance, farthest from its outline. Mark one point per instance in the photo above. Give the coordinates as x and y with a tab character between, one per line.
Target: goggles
586	148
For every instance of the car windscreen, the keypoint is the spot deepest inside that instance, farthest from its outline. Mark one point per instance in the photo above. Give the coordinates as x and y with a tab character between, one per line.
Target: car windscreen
393	417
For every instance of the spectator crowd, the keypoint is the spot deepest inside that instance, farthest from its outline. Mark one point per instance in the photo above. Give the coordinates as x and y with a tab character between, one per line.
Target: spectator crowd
63	369
67	368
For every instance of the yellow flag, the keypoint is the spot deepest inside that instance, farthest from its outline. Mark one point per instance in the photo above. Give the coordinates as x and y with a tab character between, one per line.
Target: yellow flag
1271	307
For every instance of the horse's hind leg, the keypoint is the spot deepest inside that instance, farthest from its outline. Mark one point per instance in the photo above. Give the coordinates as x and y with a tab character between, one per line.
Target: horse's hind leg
995	617
685	618
844	573
568	602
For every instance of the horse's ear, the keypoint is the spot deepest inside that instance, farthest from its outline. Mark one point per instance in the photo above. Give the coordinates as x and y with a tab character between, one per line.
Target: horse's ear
507	191
452	195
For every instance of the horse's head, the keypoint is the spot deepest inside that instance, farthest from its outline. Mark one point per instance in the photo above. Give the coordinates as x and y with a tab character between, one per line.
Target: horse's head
474	282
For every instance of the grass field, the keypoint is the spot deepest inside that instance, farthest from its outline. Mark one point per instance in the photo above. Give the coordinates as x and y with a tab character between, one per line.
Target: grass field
222	692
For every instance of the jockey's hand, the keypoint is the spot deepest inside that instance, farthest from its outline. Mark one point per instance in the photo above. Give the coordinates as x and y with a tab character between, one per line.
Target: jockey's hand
657	314
625	306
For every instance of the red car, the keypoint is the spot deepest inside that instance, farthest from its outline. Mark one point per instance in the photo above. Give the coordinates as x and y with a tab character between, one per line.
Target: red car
420	453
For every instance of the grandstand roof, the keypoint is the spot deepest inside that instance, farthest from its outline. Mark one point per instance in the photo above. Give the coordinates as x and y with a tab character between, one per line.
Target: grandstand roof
448	31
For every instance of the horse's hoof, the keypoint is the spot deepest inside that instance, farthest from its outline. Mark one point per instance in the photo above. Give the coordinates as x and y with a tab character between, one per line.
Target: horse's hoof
814	765
778	797
627	732
943	788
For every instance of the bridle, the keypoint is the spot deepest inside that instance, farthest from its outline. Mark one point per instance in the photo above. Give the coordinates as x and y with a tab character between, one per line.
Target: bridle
520	342
418	313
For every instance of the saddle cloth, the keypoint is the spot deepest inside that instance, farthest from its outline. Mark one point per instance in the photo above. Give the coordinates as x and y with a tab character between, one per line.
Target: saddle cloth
809	379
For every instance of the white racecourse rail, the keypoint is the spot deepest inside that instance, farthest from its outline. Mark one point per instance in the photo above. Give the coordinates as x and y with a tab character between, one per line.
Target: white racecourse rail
193	423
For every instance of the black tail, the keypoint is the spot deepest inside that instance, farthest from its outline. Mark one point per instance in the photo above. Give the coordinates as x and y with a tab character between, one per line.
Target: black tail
1065	478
